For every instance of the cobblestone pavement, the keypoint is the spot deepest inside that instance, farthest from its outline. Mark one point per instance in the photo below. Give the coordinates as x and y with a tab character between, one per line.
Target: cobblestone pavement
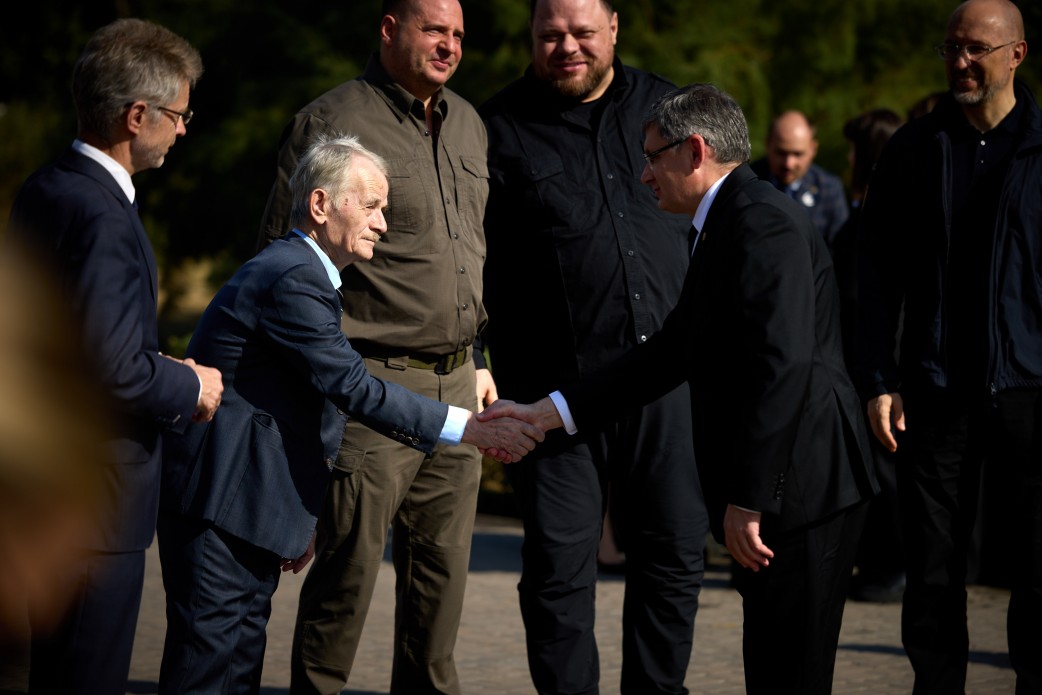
490	652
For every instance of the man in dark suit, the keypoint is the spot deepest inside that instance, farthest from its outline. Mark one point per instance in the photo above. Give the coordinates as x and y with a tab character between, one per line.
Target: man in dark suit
130	87
778	434
241	495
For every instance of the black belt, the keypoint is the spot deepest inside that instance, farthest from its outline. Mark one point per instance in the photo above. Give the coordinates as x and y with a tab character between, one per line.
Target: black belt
440	364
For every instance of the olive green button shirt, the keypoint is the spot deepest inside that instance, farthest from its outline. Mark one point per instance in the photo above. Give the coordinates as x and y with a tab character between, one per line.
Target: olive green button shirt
421	293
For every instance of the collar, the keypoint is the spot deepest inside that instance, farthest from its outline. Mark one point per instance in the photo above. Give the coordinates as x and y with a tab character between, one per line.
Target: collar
397	96
121	175
702	212
334	274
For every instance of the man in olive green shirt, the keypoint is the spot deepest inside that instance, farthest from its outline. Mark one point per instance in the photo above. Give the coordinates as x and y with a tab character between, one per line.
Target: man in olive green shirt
413	313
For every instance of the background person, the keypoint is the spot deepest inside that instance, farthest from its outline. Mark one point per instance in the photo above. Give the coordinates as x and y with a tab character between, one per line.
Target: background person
792	145
880	574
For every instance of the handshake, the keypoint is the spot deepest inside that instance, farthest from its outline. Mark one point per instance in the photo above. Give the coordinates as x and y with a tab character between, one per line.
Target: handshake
507	431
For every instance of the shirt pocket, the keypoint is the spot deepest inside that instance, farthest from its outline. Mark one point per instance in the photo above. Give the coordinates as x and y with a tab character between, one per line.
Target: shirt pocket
472	189
410	212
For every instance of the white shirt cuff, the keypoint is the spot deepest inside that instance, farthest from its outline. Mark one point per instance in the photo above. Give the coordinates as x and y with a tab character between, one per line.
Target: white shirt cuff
562	409
455	423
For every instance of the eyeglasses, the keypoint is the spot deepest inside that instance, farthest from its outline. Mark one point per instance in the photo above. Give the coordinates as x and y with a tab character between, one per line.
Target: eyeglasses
185	115
650	157
972	52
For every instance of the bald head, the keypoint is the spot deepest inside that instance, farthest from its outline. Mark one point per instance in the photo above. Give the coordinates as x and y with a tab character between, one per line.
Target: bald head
983	84
1000	15
791	146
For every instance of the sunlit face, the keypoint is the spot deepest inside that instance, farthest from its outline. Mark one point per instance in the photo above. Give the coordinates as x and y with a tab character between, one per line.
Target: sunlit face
159	129
355	221
977	82
791	149
573	46
665	174
422	48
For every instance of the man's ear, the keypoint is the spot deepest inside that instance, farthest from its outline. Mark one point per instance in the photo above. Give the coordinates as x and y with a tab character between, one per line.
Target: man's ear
697	149
320	205
135	116
388	28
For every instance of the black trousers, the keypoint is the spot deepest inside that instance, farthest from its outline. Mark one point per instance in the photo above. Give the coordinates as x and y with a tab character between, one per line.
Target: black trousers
647	463
951	445
794	607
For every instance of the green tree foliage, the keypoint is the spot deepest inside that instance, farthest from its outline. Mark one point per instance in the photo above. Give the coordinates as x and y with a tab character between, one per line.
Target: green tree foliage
267	58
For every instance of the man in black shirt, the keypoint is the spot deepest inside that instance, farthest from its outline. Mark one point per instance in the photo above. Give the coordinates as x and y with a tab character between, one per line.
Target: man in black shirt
951	231
581	267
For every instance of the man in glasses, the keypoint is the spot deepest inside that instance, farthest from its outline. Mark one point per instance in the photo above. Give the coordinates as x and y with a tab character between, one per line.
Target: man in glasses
130	87
778	433
574	236
951	231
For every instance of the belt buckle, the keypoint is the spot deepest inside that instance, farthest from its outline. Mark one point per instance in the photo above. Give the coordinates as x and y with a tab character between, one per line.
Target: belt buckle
447	363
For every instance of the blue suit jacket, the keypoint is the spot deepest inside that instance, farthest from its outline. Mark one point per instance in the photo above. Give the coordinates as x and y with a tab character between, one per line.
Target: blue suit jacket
259	470
74	214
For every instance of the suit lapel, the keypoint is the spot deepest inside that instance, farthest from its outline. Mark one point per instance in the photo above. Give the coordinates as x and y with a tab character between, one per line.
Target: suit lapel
91	169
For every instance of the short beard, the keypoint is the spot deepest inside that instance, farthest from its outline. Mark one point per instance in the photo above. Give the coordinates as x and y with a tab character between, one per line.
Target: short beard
982	95
580	89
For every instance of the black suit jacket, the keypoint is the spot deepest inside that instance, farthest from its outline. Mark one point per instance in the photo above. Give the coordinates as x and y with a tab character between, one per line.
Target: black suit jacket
777	425
75	216
260	468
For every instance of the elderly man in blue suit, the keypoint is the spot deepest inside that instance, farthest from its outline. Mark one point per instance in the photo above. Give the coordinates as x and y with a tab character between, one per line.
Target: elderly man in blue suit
78	217
241	495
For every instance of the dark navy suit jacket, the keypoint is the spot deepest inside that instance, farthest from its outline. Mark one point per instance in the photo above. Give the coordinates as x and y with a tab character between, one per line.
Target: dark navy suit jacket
75	215
778	427
260	469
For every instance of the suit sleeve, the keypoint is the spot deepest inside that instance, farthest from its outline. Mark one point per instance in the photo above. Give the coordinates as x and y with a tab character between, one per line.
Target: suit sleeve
109	288
303	323
775	342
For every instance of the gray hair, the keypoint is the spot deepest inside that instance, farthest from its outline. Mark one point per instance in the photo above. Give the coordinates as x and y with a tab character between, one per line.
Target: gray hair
705	110
328	164
126	61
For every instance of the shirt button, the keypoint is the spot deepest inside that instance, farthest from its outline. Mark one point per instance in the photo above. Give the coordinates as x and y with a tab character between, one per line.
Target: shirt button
982	142
611	176
629	253
455	235
465	307
644	339
636	296
620	214
462	270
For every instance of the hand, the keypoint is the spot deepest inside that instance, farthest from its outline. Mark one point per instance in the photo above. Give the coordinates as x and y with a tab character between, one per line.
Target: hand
505	439
487	394
742	538
543	413
301	562
210	396
881	410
